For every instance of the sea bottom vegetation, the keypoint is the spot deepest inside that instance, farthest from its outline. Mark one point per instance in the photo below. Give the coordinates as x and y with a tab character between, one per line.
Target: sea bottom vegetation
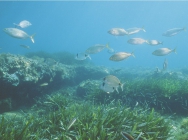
167	95
60	117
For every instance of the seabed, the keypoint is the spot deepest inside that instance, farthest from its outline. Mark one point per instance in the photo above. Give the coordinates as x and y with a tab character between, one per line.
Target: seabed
53	97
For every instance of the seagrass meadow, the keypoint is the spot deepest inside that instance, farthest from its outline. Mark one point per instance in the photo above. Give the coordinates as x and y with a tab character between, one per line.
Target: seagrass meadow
44	100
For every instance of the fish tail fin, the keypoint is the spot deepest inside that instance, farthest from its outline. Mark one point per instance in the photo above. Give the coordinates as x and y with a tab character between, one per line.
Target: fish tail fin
143	29
184	29
32	38
174	50
132	54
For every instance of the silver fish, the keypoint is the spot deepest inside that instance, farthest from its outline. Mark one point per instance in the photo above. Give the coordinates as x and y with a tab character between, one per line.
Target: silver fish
17	33
113	81
157	70
163	51
23	24
165	65
173	32
96	49
118	32
153	42
25	46
107	88
43	84
135	30
136	41
120	56
82	56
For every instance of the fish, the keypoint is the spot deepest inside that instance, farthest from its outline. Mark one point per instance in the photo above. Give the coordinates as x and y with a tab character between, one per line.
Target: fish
96	49
118	32
173	32
136	41
163	51
120	56
23	24
165	65
157	70
135	30
43	84
107	88
153	42
113	81
25	46
19	34
82	56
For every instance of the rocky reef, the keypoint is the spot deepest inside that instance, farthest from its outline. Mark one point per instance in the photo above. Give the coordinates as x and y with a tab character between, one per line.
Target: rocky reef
69	90
24	78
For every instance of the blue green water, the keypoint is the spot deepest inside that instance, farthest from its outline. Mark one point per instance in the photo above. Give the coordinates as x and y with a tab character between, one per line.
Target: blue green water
75	26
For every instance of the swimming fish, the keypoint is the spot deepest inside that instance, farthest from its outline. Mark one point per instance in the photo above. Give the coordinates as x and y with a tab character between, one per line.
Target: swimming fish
163	51
120	56
135	30
23	24
25	46
17	33
82	56
112	81
165	65
43	84
153	42
96	49
107	88
173	32
118	32
157	70
136	41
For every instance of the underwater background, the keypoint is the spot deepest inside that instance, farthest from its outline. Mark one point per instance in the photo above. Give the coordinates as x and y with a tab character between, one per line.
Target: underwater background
46	94
75	26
